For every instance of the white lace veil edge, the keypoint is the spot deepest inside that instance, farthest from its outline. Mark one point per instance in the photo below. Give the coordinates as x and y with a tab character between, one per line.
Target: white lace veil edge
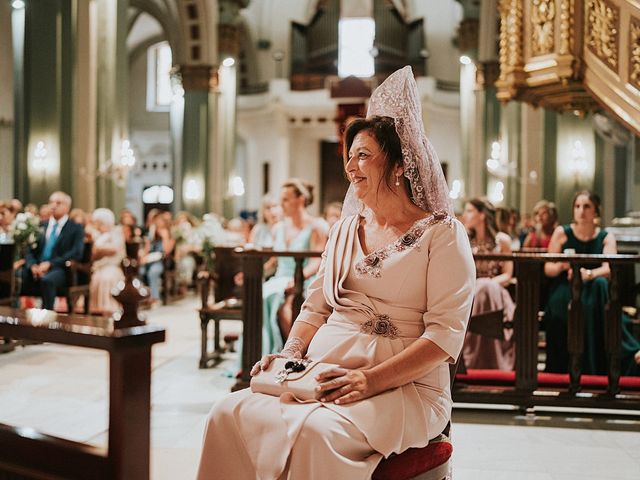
398	97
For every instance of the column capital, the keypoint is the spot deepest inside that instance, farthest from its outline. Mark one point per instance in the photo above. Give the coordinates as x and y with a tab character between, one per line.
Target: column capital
198	77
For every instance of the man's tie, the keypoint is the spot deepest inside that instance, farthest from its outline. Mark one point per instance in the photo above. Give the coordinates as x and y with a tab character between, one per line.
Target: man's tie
48	246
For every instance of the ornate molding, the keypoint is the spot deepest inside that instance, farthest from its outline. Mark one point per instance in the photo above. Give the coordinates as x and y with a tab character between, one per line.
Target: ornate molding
566	30
198	77
511	58
634	52
543	13
603	27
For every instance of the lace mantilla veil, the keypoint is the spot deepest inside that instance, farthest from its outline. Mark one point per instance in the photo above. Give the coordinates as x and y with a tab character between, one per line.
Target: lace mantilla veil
398	97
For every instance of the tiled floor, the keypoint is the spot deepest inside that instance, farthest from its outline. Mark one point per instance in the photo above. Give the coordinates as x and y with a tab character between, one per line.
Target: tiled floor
63	391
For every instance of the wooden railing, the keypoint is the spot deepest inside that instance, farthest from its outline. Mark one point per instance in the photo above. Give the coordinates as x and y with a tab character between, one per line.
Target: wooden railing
526	391
25	453
253	268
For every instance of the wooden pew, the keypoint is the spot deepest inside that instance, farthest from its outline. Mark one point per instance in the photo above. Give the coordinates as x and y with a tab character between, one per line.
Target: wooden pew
79	278
7	287
217	277
252	266
526	387
25	453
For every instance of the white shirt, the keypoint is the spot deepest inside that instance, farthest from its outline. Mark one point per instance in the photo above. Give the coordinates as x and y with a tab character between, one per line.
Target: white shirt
52	222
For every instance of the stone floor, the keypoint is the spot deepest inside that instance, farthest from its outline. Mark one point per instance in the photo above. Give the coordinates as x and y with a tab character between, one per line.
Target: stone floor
63	391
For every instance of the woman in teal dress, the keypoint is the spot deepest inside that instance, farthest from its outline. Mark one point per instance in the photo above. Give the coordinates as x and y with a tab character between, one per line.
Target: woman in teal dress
297	231
584	236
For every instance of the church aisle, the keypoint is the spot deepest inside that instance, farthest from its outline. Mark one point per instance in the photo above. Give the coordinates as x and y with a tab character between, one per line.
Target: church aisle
63	391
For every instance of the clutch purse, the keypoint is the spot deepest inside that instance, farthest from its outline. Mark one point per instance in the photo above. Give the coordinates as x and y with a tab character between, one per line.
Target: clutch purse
293	376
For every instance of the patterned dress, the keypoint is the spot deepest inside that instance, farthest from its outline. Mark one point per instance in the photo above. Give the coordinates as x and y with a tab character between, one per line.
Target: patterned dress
479	351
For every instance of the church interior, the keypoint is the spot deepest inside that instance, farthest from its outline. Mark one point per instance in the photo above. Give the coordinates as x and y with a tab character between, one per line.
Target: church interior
159	156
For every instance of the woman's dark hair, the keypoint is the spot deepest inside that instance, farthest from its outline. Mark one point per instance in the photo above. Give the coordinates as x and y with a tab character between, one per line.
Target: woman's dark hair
594	198
383	130
485	206
302	188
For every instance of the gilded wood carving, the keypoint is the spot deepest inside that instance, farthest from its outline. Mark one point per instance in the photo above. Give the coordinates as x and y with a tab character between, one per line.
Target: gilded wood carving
634	52
543	13
603	25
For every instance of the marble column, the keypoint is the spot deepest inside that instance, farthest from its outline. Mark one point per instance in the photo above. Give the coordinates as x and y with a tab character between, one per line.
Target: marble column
192	171
112	102
6	102
43	41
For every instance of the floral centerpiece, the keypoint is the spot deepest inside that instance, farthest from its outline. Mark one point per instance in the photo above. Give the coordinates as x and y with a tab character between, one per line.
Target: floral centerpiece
209	234
25	232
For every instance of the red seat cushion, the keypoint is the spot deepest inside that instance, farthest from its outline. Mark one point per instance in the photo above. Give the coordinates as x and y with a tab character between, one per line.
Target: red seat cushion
501	377
414	461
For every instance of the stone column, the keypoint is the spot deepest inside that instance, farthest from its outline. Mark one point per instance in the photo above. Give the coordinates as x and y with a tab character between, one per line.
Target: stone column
112	102
531	171
6	102
192	172
85	106
43	64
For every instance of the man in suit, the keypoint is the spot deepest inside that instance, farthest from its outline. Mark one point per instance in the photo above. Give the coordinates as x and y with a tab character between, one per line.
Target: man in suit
44	273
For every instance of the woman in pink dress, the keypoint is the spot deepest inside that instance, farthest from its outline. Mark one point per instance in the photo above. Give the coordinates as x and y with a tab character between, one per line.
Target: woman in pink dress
491	293
389	306
108	252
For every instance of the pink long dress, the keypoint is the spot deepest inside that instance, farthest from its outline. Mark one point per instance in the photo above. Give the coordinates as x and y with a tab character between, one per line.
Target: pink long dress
424	283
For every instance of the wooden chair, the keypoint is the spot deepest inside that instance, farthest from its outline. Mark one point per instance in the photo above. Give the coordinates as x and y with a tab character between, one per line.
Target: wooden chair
7	287
79	278
227	306
169	278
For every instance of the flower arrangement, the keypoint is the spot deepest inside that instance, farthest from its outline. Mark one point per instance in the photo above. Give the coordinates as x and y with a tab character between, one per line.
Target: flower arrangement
25	231
210	233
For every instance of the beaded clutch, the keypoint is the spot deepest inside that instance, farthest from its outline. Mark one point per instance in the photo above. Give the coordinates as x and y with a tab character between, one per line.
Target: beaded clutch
290	376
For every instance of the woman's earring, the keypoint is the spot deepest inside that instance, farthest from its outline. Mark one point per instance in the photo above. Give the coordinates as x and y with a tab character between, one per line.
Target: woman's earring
397	180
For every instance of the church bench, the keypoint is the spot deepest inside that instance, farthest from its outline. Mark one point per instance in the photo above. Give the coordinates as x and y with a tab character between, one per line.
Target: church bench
526	387
25	453
253	271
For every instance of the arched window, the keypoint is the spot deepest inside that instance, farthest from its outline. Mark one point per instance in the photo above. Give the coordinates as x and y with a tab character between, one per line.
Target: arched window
157	194
159	91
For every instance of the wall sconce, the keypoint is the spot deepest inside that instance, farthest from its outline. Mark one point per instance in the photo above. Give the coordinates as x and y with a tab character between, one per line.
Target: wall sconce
40	162
119	169
228	62
493	162
456	189
578	163
497	192
193	190
18	4
236	186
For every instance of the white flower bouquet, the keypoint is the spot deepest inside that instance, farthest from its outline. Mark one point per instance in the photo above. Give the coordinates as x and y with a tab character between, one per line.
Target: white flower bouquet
25	232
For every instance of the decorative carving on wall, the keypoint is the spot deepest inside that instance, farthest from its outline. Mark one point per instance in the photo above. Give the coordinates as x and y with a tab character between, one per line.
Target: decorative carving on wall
511	58
634	52
567	15
603	26
543	13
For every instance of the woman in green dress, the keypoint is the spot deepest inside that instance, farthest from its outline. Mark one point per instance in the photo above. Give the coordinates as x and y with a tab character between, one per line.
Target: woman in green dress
584	236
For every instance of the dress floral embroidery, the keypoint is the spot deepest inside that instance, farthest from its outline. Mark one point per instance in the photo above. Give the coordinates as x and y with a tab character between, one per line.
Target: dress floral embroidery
372	264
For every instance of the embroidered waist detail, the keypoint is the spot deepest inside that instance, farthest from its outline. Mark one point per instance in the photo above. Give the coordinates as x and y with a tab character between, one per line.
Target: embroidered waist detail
380	325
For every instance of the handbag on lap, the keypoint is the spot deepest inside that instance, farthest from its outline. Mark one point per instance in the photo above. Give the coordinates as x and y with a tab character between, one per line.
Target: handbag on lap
292	376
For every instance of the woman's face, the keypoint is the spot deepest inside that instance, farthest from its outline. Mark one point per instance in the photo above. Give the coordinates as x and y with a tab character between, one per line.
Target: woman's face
365	167
472	217
542	216
290	202
272	213
584	211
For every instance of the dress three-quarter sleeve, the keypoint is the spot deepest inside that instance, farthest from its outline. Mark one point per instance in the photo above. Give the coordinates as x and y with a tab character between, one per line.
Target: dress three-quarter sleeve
315	309
450	286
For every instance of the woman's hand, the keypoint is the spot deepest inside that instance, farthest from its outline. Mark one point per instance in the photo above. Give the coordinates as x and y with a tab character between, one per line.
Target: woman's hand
263	364
586	274
342	386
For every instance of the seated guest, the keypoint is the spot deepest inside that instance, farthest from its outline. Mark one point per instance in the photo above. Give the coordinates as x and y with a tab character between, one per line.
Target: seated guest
546	218
185	262
158	245
108	252
129	224
389	306
332	213
44	272
270	214
490	293
44	212
584	236
297	231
